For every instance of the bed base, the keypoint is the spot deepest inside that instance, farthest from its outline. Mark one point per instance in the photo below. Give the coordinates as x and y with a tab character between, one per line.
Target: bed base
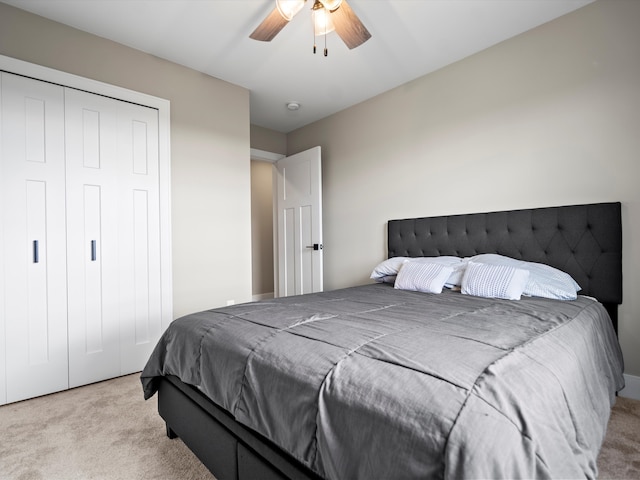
226	448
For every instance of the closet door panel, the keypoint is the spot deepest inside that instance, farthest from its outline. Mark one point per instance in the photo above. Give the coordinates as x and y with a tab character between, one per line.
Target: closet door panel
92	237
37	318
33	248
94	321
3	368
139	227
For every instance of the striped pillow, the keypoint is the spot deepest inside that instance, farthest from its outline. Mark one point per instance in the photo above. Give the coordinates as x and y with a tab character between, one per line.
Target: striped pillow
494	281
422	277
544	280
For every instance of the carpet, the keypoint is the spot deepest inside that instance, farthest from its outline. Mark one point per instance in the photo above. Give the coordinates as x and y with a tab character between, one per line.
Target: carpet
100	431
620	454
107	431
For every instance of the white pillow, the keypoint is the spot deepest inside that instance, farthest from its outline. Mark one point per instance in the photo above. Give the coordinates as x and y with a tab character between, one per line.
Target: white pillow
422	277
447	260
544	280
458	264
386	271
455	279
388	268
494	281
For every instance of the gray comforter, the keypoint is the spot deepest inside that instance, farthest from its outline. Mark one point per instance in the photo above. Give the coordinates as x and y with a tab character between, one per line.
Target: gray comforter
371	382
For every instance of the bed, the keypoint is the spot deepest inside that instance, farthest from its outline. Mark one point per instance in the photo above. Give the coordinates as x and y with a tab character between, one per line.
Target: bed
380	382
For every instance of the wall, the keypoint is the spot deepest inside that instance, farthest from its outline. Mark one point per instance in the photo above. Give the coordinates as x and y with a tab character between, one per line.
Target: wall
262	210
550	117
210	139
268	140
262	229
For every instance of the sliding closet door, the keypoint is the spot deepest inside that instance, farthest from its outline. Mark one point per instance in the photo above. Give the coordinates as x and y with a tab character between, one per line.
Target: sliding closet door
92	237
33	253
139	234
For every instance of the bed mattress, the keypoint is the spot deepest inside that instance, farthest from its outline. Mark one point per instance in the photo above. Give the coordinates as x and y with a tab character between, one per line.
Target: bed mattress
374	382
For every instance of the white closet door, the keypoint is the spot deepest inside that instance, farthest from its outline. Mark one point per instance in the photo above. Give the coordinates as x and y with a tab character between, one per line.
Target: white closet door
33	254
92	237
139	234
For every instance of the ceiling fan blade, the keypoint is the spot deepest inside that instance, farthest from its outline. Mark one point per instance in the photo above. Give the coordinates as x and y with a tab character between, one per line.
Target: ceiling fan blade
269	27
348	26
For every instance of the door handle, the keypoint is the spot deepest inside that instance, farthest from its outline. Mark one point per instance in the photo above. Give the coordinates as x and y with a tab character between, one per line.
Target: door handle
315	246
36	253
93	251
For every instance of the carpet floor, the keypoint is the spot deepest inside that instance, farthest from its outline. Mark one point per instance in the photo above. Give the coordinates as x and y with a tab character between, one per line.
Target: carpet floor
100	431
107	431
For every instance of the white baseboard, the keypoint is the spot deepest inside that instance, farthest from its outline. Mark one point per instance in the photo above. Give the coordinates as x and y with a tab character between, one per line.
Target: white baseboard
632	387
262	296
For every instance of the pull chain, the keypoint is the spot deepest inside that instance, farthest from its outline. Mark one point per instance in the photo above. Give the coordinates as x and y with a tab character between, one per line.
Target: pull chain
313	32
326	51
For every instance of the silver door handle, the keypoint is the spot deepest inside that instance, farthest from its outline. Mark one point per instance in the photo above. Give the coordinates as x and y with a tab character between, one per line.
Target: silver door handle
315	246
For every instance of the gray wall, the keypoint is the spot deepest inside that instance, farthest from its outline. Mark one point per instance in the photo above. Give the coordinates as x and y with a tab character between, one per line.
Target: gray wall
550	117
210	201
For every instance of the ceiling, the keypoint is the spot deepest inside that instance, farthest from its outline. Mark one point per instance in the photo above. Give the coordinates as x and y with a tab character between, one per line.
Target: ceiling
410	38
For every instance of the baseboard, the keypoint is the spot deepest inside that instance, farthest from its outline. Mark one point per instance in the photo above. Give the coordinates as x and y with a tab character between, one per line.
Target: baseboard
262	296
632	387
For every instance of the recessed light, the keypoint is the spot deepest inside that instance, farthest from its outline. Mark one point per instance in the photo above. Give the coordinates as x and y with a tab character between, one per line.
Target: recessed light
293	106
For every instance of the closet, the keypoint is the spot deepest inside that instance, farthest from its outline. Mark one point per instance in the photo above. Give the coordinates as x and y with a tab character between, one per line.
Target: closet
81	237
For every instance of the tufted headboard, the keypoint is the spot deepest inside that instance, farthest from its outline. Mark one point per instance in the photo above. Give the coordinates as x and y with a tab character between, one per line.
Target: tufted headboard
583	240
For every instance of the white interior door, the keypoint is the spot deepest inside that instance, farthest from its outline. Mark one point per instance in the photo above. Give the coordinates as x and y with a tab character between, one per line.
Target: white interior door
115	300
92	237
139	235
33	255
299	223
115	269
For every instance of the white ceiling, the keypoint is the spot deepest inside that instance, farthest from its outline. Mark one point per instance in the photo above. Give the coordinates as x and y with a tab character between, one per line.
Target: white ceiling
410	38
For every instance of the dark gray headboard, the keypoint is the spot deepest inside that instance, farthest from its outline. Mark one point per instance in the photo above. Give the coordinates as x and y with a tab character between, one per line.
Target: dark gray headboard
583	240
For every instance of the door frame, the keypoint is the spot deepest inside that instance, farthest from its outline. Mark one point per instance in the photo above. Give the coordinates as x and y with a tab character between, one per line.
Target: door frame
271	157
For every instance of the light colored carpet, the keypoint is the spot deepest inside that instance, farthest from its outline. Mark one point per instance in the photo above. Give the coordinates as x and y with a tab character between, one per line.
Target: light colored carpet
620	454
100	431
107	431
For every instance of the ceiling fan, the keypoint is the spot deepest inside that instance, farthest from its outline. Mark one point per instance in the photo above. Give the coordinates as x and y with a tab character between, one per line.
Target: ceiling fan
329	15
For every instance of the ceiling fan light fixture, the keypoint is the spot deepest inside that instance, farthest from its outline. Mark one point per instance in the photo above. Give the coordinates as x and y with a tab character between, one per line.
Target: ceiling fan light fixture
331	5
322	23
328	16
289	8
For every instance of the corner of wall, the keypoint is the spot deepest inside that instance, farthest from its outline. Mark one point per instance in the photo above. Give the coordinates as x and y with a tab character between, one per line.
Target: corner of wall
632	387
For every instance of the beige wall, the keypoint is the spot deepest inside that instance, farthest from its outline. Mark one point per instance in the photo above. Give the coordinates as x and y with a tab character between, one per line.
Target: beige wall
210	138
268	140
262	208
551	117
261	227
